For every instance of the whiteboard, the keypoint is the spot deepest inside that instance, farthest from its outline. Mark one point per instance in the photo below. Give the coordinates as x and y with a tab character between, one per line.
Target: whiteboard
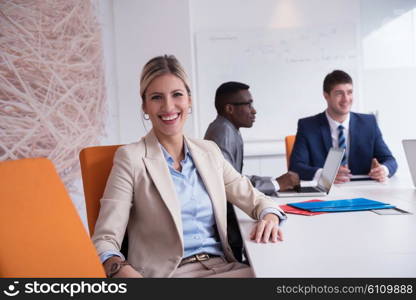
284	68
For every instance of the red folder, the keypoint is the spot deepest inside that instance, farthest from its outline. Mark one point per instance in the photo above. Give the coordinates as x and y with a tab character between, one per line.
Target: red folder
292	210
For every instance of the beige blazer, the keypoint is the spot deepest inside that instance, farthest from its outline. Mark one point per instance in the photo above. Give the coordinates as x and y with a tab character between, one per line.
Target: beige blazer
140	196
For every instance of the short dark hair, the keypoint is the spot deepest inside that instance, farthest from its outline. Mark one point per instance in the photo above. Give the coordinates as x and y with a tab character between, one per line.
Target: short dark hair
224	91
334	78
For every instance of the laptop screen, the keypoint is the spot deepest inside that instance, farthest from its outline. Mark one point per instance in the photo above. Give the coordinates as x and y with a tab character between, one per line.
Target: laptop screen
330	170
410	150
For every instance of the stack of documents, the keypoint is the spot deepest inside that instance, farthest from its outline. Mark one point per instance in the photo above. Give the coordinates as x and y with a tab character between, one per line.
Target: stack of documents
354	204
293	210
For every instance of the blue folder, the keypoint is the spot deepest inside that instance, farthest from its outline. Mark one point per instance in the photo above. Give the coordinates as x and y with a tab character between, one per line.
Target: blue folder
354	204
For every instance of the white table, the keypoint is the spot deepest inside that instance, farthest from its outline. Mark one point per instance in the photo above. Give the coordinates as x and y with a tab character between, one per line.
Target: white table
350	244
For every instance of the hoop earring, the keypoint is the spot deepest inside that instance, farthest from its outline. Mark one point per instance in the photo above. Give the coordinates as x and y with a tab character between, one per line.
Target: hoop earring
146	116
190	110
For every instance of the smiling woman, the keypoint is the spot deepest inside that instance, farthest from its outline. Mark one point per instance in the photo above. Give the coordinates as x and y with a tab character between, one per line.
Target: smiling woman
167	103
165	189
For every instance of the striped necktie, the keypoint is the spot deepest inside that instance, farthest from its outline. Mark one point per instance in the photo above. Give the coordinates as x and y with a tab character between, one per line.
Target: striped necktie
342	144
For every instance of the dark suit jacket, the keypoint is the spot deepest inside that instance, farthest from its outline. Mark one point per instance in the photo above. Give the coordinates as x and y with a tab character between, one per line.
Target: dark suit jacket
313	140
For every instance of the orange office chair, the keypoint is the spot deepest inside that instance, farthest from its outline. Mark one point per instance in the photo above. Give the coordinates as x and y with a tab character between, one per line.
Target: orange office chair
41	232
96	163
289	142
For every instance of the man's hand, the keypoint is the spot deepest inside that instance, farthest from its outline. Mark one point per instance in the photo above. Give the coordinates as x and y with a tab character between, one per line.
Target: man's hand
288	181
267	229
343	175
377	172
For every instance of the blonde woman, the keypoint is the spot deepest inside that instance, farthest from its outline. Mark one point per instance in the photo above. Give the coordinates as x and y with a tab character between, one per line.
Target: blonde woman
170	192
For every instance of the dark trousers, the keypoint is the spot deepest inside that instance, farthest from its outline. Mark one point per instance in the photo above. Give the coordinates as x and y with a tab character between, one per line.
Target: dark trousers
234	234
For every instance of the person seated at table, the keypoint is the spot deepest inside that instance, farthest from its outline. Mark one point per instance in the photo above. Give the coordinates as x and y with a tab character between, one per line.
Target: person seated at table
366	152
170	191
235	109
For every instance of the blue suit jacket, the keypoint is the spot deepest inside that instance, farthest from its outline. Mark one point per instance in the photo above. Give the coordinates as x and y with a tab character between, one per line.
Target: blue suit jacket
313	141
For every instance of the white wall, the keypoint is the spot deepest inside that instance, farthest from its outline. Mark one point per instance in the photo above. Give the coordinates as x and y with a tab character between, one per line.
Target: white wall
389	69
268	158
106	18
217	15
143	29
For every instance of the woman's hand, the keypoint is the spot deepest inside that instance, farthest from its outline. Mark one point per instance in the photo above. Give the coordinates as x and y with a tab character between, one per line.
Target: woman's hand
267	229
126	271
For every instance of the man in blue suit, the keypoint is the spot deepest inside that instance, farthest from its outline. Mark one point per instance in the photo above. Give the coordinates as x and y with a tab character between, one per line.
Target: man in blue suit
338	127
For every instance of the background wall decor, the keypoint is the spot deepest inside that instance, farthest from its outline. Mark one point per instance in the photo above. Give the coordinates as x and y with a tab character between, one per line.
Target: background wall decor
52	91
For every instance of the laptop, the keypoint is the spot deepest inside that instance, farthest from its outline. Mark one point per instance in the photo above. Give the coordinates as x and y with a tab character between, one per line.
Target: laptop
410	150
329	172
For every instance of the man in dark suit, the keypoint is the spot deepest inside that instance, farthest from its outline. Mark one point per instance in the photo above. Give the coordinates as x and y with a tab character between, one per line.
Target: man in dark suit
234	105
338	127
